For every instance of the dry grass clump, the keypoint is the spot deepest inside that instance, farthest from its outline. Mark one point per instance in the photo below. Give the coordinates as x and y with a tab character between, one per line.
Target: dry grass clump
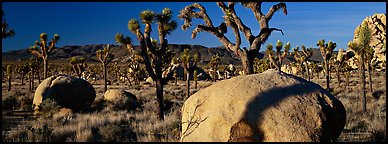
362	127
113	122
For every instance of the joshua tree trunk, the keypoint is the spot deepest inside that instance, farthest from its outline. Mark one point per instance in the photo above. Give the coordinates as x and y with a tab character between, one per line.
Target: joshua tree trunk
338	75
38	74
369	68
105	78
347	73
45	68
159	95
327	75
247	59
129	80
362	72
188	85
23	79
175	78
9	83
30	82
308	72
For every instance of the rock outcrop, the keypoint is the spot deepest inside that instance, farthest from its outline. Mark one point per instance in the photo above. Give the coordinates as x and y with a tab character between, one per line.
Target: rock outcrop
69	92
271	106
377	25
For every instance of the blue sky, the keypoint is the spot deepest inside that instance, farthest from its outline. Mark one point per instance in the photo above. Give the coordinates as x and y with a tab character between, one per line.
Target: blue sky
83	23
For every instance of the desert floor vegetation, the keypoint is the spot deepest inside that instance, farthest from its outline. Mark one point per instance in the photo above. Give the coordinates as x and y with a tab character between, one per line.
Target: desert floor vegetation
110	122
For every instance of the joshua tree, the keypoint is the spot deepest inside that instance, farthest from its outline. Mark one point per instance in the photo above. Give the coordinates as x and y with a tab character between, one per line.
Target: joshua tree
326	52
233	21
6	31
175	61
9	75
214	63
115	69
22	69
277	60
156	56
195	76
340	64
261	65
38	61
45	49
302	58
189	64
361	49
136	70
369	53
32	68
78	65
105	58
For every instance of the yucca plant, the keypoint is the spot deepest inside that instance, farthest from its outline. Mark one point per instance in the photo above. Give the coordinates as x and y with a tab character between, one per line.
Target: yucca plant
261	65
276	58
247	55
361	48
22	69
78	65
38	62
105	58
136	69
175	61
214	63
6	31
9	75
195	77
155	54
326	52
302	57
189	64
45	48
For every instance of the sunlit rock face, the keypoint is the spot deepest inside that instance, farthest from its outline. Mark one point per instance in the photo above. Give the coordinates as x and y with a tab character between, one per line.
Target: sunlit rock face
271	106
377	25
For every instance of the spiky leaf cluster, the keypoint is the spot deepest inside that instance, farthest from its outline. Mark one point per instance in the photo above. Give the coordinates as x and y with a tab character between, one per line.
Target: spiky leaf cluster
9	70
43	48
78	65
326	48
189	62
104	55
6	31
261	65
119	38
277	57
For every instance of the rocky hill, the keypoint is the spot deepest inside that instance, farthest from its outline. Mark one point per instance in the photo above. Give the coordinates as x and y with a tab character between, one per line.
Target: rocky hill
121	55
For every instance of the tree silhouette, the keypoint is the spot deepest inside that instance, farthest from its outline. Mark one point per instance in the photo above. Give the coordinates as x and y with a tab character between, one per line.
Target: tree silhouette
233	21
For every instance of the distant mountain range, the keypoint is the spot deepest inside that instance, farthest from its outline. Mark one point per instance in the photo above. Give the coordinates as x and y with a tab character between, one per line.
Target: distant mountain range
121	54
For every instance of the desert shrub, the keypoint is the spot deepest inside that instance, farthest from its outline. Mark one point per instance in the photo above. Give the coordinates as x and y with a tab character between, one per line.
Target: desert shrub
113	132
40	134
25	103
98	105
9	102
48	107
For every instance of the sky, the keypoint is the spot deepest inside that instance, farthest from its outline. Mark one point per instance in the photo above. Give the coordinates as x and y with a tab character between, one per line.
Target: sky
84	23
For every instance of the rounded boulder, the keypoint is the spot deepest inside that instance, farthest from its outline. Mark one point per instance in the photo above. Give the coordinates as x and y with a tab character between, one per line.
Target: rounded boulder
121	97
271	106
69	92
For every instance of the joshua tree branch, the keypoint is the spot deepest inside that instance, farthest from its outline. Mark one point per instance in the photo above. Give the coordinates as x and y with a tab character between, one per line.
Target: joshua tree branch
144	53
275	8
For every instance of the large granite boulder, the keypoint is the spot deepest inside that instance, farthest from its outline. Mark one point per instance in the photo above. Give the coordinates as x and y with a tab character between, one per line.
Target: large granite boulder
121	97
69	92
271	106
